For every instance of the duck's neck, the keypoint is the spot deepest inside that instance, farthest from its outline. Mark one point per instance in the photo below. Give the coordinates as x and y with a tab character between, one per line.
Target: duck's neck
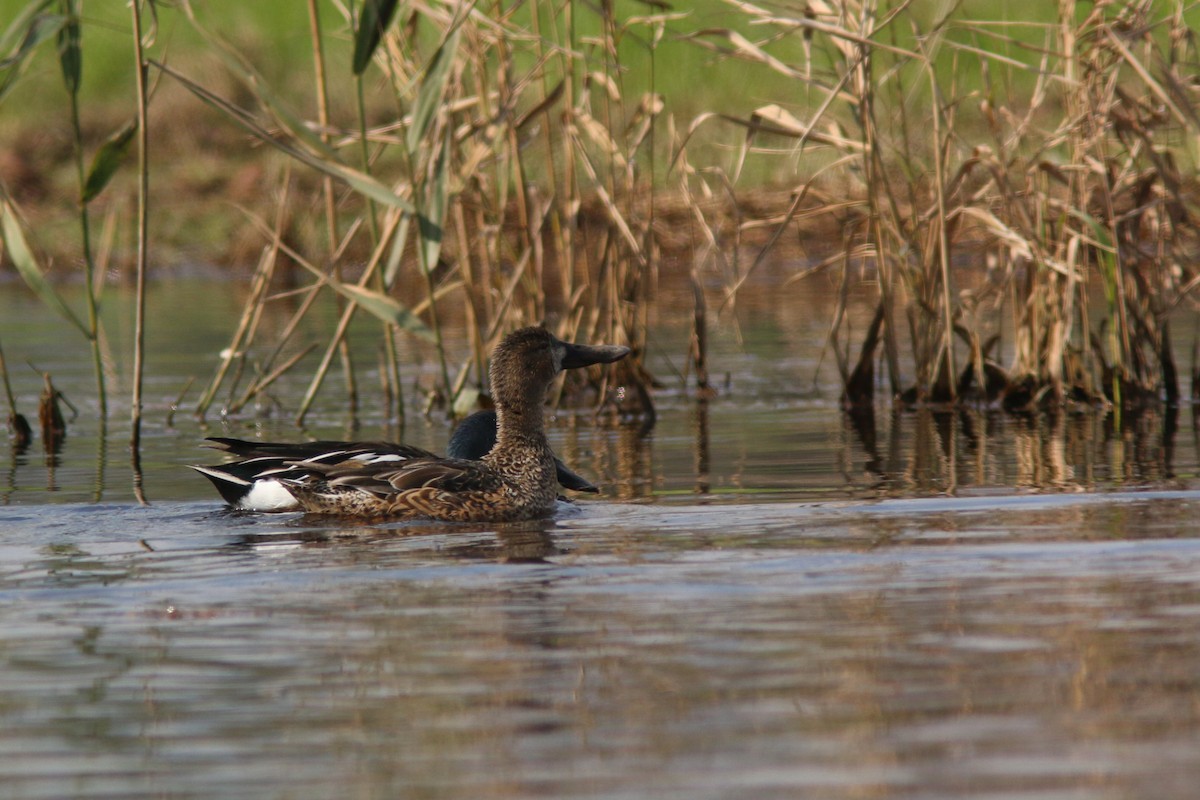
522	453
523	427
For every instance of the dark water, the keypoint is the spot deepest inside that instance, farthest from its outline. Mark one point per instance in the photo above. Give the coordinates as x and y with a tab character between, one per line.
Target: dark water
767	602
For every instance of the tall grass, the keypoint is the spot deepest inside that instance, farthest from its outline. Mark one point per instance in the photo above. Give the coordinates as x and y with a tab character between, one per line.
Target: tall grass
516	163
60	21
482	185
1066	161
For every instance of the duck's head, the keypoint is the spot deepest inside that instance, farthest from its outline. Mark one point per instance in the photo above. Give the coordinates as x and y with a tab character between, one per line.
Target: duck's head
527	360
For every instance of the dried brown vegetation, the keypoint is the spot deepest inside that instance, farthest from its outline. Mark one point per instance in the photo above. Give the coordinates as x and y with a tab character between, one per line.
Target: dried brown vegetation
1073	171
986	176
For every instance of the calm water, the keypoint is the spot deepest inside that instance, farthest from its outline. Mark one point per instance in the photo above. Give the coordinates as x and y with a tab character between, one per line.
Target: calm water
767	602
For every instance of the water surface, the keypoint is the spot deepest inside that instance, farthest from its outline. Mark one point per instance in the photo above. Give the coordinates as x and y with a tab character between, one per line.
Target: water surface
768	601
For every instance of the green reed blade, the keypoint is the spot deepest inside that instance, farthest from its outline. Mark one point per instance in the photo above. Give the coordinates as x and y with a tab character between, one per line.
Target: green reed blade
24	27
70	56
31	272
108	158
359	181
374	20
377	304
433	87
21	38
387	309
430	222
396	254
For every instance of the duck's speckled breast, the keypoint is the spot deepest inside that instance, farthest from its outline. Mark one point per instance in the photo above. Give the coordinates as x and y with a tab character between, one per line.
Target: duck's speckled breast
530	480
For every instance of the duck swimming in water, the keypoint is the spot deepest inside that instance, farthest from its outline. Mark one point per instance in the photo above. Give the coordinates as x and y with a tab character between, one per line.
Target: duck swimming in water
516	479
252	482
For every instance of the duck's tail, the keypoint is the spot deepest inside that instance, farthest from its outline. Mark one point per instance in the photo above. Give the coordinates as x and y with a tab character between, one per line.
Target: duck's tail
242	486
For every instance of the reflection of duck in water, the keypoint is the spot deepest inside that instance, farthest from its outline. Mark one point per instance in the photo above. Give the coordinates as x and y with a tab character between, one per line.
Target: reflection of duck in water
515	479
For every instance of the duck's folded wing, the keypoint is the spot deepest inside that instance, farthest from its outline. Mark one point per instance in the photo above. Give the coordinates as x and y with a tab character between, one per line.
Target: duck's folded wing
388	479
316	451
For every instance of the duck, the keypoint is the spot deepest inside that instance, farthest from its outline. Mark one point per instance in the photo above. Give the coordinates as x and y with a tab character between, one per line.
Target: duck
252	483
516	477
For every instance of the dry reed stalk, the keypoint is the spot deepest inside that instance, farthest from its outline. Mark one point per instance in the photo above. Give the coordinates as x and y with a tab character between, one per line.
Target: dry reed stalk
267	364
187	387
143	213
50	416
1112	207
71	61
391	225
321	90
471	291
18	426
698	346
243	334
506	236
520	157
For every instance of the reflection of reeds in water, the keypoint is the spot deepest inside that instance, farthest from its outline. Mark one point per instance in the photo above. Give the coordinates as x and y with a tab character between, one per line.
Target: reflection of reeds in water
942	451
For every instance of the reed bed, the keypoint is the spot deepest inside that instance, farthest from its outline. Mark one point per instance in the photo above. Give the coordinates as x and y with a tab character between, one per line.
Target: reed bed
472	195
1064	166
520	165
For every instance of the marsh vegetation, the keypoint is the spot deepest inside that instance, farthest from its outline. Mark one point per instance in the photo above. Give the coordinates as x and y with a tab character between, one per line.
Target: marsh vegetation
1019	192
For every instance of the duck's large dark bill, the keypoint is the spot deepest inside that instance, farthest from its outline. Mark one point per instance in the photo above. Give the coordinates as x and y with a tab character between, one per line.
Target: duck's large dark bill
581	355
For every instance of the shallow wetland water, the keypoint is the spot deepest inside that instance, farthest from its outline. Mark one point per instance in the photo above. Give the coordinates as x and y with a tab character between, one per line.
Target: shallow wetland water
766	602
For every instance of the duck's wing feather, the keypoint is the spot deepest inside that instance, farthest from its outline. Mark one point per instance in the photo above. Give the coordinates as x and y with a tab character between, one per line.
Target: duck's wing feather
449	489
390	478
325	450
266	473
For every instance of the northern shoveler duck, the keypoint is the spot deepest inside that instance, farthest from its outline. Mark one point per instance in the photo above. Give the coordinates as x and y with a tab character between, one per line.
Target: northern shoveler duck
252	483
514	479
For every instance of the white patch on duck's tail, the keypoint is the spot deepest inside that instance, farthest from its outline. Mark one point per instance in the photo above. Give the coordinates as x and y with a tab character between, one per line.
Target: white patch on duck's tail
266	494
